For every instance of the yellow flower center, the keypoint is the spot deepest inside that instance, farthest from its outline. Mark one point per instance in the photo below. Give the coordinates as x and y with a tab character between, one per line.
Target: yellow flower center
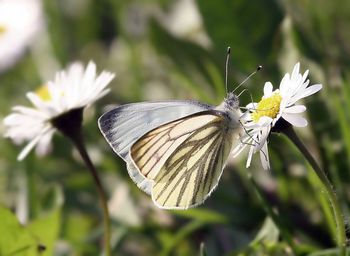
267	107
43	93
2	29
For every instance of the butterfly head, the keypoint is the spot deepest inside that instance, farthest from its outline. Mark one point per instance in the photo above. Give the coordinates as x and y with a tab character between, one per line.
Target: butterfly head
231	101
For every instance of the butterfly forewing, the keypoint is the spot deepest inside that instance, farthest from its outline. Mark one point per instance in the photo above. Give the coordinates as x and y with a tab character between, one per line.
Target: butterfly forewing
126	124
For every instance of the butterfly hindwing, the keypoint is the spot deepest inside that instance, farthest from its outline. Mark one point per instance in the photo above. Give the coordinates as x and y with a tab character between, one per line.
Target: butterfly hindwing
184	158
151	151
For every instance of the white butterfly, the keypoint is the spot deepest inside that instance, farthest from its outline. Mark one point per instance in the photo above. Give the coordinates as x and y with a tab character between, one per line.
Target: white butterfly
174	150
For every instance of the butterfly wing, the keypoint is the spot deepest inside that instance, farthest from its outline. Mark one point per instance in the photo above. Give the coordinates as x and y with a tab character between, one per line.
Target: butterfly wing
185	158
124	125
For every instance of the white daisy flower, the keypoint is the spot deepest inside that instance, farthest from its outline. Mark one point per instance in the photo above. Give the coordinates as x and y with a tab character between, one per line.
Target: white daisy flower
72	89
20	21
275	106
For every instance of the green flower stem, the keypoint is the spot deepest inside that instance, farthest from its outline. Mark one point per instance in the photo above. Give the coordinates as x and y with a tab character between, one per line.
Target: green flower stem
341	235
273	215
70	125
80	145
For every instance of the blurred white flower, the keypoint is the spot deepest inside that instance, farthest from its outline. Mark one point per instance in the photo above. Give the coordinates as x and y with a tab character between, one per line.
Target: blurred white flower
274	105
20	20
121	199
72	89
184	21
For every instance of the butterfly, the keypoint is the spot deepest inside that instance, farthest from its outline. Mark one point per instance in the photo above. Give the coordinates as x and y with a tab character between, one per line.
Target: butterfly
175	151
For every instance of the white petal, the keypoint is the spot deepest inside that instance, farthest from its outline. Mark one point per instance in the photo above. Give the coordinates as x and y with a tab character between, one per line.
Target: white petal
90	73
28	147
295	71
249	159
310	90
245	117
30	112
12	119
264	157
252	125
245	140
265	121
252	105
238	149
35	100
295	109
33	143
306	73
265	132
268	87
284	84
44	145
295	119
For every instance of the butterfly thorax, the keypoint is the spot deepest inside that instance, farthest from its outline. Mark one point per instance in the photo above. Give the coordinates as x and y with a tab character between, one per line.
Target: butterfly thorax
230	108
230	103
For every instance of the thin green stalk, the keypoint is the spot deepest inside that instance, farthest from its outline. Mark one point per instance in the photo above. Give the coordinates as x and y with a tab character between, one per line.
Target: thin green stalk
202	250
275	218
31	180
80	145
182	234
341	235
70	125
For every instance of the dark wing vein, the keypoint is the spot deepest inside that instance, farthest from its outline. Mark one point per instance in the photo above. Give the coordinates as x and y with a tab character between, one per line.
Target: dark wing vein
170	185
179	170
153	146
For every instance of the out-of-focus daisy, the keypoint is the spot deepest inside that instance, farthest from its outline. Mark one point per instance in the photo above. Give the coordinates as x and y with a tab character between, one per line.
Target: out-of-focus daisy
20	20
185	21
274	107
72	89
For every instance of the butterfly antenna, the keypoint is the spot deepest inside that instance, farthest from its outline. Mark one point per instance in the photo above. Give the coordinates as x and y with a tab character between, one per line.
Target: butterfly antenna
226	66
239	95
245	80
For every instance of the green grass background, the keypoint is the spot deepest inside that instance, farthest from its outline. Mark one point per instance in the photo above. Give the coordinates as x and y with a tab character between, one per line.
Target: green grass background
153	62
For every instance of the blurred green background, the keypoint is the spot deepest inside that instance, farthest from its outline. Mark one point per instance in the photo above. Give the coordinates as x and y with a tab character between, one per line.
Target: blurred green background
176	50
